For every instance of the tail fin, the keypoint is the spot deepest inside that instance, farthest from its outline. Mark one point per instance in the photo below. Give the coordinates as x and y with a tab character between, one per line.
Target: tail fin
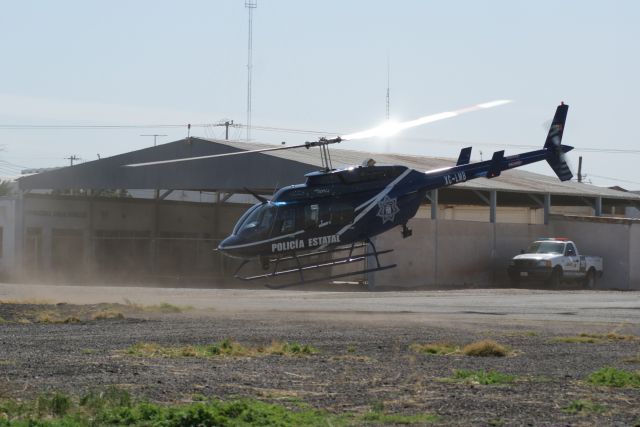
553	144
464	157
496	164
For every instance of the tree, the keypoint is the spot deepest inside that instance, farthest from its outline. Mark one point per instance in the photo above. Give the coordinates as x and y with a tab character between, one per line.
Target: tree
7	188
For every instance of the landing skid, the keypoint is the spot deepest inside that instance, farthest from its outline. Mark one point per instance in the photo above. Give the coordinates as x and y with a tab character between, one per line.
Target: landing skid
300	268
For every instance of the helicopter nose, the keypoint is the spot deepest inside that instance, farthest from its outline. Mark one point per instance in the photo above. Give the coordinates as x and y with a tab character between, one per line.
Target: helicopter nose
224	245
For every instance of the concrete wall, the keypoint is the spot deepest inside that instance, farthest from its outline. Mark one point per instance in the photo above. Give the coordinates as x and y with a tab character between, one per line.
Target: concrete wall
634	256
441	253
77	237
504	214
616	241
452	253
8	224
447	253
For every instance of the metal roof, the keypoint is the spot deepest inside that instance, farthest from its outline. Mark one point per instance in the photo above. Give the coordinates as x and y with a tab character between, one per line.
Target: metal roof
514	180
266	171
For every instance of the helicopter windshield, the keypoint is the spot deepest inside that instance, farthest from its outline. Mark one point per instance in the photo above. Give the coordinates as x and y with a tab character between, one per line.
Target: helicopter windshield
257	219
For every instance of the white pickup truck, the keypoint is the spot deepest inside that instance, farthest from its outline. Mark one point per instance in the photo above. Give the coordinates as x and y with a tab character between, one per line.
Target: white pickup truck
554	260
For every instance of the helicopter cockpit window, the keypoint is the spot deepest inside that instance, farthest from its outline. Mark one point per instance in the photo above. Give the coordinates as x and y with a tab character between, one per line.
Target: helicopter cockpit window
288	217
311	216
259	219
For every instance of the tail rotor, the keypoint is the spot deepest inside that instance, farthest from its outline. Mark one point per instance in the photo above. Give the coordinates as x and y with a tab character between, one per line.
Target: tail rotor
556	151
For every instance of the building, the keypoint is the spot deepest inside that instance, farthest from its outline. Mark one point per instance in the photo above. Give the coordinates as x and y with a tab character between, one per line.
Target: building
81	230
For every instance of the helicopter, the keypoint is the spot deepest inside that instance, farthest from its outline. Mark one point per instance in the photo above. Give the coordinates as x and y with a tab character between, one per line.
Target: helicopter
325	221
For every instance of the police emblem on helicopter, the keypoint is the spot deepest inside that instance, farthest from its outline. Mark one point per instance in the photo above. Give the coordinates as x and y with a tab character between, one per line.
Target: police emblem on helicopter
387	209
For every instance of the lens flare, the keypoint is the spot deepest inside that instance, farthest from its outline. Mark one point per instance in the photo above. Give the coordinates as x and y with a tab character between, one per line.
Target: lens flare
392	128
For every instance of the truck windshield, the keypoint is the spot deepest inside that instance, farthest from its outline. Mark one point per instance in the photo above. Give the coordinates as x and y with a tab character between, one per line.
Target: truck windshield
546	248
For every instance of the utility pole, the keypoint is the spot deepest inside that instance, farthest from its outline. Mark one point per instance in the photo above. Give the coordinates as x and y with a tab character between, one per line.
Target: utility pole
72	159
226	124
226	129
580	169
250	5
155	137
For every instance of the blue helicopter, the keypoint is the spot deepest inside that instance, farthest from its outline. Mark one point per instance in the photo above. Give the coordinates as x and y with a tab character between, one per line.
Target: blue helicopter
325	221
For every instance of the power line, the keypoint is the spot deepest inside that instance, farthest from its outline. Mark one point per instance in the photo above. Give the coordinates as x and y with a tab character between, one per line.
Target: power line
13	165
83	127
613	179
295	131
155	137
288	130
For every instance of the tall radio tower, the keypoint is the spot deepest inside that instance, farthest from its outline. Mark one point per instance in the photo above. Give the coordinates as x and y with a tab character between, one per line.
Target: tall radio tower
250	5
388	78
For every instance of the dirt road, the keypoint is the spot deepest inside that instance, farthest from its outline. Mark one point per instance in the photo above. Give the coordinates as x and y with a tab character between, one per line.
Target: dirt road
366	349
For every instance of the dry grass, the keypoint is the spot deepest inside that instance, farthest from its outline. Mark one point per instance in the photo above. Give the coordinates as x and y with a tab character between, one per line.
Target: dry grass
577	339
166	308
521	334
614	336
439	348
485	348
48	316
226	347
107	314
62	313
163	307
591	338
28	301
353	358
635	359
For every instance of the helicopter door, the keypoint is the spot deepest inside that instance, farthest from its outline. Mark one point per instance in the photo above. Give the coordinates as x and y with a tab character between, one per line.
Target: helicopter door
341	214
317	216
286	220
311	216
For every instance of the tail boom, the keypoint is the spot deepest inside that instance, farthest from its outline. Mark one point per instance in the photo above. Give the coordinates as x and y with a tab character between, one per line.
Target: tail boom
553	152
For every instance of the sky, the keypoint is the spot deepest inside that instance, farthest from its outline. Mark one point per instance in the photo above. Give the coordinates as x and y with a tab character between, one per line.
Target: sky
321	66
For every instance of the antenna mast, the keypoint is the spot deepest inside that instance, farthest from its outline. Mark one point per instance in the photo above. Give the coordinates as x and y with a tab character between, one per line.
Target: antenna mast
388	79
250	5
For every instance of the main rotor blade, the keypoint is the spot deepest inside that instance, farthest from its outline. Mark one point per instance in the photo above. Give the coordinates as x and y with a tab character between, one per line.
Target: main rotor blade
211	156
383	130
391	128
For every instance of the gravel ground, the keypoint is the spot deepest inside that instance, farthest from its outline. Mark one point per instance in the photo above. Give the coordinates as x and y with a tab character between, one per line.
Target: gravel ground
364	361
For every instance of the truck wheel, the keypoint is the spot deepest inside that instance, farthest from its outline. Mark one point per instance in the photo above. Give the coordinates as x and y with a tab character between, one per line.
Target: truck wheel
590	279
556	278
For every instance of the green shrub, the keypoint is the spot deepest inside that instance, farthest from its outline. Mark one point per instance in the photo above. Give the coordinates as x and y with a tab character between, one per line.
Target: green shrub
483	377
54	404
578	406
111	397
614	377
